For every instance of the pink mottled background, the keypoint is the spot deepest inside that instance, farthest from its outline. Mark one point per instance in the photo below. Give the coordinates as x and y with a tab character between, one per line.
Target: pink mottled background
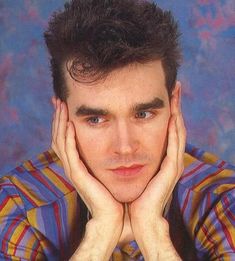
208	76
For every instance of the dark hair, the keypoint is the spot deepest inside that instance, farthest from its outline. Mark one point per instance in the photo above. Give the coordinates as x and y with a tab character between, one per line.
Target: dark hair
91	38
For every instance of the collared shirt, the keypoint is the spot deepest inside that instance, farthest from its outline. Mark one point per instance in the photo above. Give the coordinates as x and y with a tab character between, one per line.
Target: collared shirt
43	218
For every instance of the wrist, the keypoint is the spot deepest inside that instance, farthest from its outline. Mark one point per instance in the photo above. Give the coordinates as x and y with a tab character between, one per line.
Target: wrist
155	242
100	238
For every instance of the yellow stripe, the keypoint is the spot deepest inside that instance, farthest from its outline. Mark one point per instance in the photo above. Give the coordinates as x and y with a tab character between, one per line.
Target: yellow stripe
209	158
188	160
212	233
226	173
15	236
7	209
55	180
29	245
28	166
28	191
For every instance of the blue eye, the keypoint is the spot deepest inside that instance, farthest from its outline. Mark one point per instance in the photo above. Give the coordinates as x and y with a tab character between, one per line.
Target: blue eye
95	120
144	114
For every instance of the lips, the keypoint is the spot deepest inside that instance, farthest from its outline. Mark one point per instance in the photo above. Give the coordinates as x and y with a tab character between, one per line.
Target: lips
124	171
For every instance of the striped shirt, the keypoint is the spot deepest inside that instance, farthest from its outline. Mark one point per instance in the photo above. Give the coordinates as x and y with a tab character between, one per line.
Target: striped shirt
43	218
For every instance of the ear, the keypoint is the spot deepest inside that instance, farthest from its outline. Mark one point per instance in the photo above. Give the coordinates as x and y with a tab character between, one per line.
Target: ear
176	95
176	98
53	101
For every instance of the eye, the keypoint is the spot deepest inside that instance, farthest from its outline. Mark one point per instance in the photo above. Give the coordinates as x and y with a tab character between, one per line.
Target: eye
95	120
144	115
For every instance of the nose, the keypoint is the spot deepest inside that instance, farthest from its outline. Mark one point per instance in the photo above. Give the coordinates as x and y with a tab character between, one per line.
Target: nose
126	138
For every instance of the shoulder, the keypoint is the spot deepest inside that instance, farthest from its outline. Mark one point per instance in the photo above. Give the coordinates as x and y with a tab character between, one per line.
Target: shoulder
37	181
205	172
205	196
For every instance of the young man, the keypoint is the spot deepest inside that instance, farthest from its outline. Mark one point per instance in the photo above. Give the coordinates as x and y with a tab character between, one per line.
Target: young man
117	183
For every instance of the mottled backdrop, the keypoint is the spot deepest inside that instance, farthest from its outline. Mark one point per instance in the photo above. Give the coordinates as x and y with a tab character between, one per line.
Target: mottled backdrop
208	78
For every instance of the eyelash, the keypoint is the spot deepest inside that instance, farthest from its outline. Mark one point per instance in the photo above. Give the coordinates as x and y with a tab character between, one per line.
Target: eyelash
152	114
89	120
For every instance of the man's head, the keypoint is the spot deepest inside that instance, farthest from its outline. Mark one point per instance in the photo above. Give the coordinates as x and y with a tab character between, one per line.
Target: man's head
114	62
91	38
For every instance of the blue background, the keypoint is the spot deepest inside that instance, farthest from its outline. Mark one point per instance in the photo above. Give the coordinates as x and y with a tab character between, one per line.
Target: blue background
207	75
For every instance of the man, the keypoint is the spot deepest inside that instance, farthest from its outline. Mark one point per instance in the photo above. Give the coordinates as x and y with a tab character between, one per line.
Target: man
117	183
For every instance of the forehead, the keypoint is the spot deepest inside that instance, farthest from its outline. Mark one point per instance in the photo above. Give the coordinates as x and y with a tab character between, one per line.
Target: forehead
134	83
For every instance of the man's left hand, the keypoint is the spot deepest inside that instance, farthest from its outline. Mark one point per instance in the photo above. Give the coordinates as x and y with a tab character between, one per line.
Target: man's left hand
150	228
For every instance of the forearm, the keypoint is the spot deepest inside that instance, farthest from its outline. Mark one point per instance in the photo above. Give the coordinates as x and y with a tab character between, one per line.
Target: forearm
99	241
155	243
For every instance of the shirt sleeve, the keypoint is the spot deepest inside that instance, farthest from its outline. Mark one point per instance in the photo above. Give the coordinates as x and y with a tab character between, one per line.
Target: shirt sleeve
215	232
18	240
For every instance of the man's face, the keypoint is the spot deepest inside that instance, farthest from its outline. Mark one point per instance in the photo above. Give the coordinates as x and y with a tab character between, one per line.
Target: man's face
121	126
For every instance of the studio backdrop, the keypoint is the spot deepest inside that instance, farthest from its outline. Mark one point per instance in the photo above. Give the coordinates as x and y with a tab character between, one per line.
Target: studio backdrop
207	76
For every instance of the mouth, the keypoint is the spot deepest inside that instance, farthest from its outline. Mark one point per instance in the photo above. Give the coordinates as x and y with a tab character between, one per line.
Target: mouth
129	171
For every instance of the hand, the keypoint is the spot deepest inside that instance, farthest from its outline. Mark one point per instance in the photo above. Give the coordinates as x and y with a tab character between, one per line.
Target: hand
107	213
146	213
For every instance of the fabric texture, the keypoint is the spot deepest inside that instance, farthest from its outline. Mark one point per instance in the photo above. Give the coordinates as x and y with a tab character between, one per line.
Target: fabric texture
43	218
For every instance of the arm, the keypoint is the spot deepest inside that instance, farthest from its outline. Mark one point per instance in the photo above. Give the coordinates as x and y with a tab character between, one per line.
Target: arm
15	230
99	241
104	229
150	228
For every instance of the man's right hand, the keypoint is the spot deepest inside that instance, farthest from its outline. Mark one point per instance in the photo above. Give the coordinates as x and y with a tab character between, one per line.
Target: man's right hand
104	229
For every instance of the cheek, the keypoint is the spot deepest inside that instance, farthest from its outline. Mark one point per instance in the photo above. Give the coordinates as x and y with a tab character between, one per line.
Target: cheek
90	146
156	137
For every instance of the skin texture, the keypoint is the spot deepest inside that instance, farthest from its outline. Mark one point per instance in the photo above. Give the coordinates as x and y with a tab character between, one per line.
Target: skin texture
122	138
88	149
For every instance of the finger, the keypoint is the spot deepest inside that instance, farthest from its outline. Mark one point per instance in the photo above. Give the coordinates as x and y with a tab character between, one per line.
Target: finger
76	166
57	118
181	134
54	128
61	135
62	126
172	148
175	98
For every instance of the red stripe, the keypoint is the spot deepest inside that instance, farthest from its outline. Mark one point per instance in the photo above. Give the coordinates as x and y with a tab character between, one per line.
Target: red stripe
9	230
20	238
208	236
226	231
48	157
44	182
227	204
194	151
20	169
40	178
185	202
57	219
67	185
35	253
29	199
208	177
192	171
6	200
221	164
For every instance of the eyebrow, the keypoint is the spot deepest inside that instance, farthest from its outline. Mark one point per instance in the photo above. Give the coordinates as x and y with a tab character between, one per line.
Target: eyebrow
83	110
156	103
86	111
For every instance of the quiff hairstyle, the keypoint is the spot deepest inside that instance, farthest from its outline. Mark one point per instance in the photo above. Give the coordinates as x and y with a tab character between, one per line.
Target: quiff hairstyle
91	38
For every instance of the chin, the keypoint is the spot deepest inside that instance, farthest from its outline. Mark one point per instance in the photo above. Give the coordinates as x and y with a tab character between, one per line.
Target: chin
129	197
